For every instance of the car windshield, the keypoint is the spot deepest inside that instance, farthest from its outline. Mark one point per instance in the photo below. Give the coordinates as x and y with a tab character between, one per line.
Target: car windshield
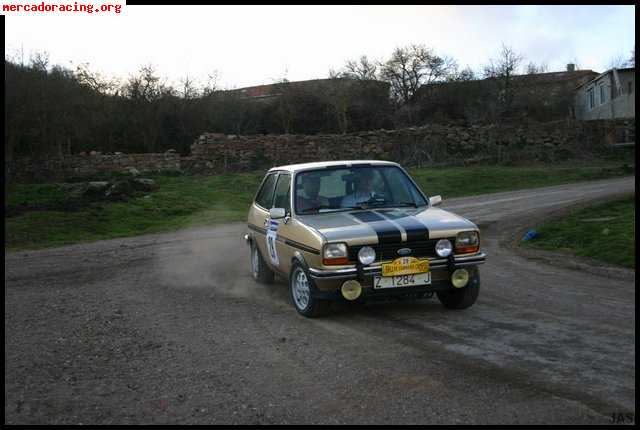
356	187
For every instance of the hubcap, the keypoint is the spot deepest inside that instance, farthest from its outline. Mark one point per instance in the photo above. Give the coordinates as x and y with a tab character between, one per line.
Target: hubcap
300	289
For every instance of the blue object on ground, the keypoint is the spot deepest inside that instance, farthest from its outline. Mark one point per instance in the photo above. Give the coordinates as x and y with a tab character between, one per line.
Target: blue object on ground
531	234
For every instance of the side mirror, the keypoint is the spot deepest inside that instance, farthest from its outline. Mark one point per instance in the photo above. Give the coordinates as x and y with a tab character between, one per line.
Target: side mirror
435	200
276	213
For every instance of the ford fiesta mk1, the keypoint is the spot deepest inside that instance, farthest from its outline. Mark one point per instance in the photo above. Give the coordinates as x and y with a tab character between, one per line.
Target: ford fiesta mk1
359	230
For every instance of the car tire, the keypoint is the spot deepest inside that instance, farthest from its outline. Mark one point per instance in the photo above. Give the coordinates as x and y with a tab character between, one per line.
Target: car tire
300	291
462	298
259	269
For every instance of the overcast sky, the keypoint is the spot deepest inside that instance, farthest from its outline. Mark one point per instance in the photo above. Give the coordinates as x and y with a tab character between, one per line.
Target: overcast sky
251	45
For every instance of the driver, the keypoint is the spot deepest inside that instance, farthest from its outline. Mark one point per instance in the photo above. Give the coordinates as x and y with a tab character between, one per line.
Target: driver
363	189
309	197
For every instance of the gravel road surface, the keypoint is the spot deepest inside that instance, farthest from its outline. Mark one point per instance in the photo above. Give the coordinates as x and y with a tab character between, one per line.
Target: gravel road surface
170	328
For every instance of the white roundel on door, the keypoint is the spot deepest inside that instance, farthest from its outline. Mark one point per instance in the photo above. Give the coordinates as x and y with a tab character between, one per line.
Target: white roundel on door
272	233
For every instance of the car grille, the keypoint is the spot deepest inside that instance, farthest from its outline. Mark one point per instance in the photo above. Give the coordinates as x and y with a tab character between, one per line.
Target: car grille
422	248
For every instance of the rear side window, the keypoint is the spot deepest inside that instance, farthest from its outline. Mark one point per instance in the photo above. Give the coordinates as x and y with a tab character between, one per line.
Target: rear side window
283	193
265	195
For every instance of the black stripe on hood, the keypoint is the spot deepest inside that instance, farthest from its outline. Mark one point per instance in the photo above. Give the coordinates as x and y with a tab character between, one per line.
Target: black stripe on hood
386	231
415	229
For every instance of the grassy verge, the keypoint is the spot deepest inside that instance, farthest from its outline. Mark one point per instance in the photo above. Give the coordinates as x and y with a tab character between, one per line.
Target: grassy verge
605	232
184	201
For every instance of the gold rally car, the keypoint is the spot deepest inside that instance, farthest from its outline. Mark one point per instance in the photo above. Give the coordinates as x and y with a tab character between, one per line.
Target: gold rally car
359	231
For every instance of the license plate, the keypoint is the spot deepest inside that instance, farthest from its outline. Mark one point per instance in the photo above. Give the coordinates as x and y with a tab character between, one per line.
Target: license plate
405	266
401	280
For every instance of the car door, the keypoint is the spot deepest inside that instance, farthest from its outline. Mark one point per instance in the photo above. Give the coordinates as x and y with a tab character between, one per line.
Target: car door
279	230
259	213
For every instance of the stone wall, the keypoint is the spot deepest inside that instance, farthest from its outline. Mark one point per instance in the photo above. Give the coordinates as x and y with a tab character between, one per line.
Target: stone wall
86	166
428	145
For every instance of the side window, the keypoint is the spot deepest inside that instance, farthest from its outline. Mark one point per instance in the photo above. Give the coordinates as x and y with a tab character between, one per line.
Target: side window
283	193
265	195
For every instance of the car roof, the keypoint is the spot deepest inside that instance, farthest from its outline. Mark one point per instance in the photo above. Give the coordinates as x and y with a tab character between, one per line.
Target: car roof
321	164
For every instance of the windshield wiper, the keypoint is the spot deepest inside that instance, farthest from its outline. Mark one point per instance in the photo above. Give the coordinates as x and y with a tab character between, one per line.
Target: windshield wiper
317	208
370	202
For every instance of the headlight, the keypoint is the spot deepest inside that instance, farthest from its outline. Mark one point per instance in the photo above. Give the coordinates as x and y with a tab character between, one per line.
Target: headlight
467	241
367	255
335	254
444	247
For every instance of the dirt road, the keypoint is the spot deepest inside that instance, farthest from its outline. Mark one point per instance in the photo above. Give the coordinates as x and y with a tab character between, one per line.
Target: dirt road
171	329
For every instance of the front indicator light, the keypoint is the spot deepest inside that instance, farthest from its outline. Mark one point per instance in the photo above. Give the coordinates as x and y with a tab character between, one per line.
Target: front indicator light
351	290
460	278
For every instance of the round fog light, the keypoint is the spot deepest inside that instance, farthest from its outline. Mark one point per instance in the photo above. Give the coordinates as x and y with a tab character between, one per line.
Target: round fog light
459	278
351	290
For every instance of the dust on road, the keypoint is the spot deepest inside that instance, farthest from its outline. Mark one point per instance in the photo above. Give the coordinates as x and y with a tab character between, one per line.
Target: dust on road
171	329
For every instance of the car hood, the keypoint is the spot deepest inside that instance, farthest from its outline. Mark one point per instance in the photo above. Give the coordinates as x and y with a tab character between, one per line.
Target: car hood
387	225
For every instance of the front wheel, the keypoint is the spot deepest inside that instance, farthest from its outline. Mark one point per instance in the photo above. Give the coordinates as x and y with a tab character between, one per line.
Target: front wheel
259	269
462	298
300	289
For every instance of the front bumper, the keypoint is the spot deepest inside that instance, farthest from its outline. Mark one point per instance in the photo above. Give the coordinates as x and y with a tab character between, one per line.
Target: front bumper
362	273
328	282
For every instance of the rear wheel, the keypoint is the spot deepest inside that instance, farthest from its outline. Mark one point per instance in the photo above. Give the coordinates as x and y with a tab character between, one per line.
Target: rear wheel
301	293
462	298
259	269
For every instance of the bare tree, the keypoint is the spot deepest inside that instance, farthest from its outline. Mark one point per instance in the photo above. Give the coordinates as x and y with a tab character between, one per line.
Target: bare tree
285	110
211	86
617	62
505	65
40	61
337	94
502	70
95	80
631	62
411	67
533	68
466	74
188	89
362	69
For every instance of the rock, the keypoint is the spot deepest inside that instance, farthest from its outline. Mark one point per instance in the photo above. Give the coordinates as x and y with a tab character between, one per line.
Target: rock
144	184
93	153
121	189
170	151
75	190
132	171
96	187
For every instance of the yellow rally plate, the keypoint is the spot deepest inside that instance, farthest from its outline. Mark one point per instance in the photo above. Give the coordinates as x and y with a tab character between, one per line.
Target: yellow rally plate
405	266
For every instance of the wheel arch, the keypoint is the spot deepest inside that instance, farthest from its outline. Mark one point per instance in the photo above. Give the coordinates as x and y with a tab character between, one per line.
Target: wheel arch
299	258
